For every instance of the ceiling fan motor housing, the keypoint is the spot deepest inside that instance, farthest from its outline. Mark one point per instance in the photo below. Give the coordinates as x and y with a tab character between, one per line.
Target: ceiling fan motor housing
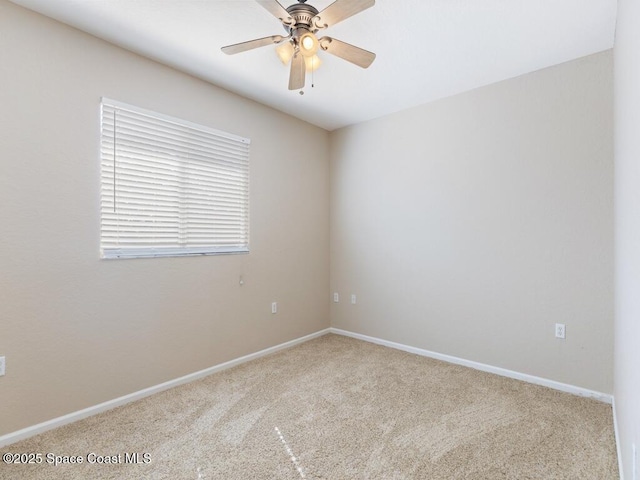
302	15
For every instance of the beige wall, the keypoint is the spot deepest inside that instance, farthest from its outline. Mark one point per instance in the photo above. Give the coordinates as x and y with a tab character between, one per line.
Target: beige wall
627	152
471	225
77	330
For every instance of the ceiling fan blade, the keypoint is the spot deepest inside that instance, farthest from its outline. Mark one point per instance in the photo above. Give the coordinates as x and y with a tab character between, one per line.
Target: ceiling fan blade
298	70
277	10
341	10
346	51
251	44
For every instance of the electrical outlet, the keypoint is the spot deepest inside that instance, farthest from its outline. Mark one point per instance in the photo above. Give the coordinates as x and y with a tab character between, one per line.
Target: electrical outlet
353	299
634	462
336	297
2	365
274	307
560	330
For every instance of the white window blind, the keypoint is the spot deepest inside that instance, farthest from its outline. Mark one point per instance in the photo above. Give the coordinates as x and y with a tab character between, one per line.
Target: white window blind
170	187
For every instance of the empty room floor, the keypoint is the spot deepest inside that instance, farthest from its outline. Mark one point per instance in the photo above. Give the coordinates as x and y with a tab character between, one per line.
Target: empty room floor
337	408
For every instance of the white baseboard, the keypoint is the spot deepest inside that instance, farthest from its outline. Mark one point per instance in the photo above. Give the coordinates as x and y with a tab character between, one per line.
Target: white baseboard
87	412
583	392
618	446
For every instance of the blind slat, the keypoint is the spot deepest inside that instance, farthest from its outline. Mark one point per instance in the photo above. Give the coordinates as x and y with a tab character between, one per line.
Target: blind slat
170	187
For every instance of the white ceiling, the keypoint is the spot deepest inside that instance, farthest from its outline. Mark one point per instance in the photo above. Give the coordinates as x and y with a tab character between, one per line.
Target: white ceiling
426	49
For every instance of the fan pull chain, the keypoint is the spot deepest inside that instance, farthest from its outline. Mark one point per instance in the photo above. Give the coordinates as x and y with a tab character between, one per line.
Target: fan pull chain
312	75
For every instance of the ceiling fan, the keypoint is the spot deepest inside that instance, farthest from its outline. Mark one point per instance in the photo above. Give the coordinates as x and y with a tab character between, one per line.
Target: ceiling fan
302	22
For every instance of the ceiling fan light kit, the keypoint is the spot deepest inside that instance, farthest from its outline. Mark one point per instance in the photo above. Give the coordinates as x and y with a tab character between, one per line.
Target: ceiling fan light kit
300	47
308	44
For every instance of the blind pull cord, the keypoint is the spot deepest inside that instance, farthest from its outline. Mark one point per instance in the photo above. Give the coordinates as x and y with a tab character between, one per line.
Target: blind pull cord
114	161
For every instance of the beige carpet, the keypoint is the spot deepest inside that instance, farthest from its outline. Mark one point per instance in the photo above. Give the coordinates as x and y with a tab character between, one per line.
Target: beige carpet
336	408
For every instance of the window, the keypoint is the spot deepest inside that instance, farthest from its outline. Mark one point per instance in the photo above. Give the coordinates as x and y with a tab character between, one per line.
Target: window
170	187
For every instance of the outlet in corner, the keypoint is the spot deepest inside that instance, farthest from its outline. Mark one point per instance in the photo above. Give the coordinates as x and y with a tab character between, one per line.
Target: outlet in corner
274	307
560	330
336	297
2	365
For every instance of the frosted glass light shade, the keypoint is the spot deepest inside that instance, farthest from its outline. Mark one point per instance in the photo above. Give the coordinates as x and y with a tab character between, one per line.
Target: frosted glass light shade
285	52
